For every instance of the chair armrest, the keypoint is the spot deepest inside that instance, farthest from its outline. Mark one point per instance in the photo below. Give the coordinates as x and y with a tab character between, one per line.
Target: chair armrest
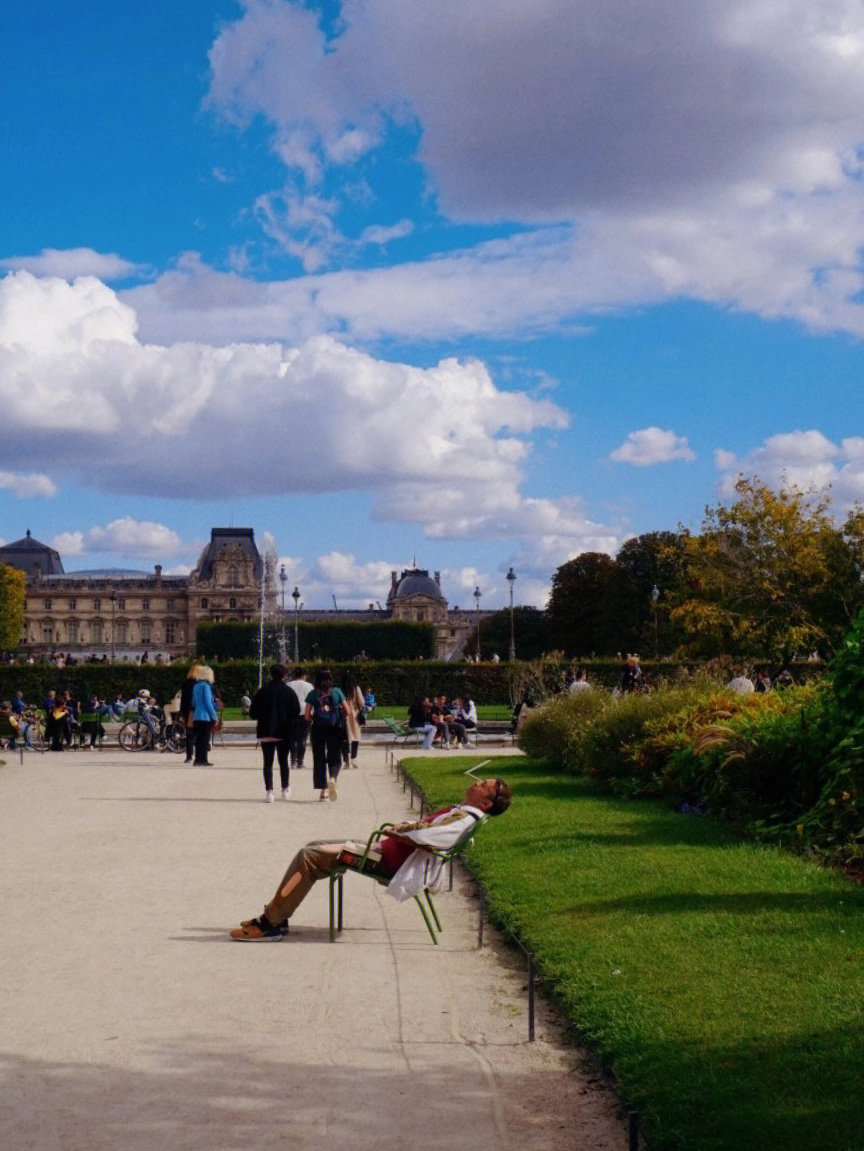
377	834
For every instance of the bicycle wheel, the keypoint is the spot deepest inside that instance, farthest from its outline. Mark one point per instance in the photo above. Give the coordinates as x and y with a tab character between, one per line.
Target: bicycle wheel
36	736
175	736
135	736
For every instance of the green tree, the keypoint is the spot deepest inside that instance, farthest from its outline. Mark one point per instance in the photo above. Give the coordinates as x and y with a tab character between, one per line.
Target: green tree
530	630
581	608
642	621
770	575
13	594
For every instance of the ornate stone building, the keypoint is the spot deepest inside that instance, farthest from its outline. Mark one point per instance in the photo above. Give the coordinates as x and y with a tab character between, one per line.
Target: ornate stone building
125	614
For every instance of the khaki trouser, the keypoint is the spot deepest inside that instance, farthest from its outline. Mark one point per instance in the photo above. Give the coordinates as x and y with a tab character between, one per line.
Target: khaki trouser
313	862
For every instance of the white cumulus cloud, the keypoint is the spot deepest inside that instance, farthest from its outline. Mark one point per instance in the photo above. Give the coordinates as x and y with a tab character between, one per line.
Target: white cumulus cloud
650	446
807	460
193	420
125	536
27	485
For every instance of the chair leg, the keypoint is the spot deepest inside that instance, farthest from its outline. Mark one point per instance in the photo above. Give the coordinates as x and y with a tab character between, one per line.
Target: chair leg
426	918
335	905
432	908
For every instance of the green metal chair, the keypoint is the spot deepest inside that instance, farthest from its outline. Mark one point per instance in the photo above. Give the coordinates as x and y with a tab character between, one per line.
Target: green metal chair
368	865
402	733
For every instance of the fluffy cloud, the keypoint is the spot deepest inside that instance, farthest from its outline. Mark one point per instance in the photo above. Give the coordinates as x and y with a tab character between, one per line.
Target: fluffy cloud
197	421
71	263
651	446
27	485
125	537
806	460
701	148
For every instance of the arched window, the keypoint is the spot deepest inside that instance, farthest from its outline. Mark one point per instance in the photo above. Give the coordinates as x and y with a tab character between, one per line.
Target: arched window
233	576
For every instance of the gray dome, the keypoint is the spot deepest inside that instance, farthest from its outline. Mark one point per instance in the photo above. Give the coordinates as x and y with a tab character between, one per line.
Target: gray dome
416	582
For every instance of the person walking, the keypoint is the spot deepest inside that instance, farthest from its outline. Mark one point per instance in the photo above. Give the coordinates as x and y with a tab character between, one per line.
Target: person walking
276	710
354	718
301	687
204	714
186	710
326	712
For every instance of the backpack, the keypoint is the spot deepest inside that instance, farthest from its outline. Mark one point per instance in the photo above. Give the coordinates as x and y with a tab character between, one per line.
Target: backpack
325	711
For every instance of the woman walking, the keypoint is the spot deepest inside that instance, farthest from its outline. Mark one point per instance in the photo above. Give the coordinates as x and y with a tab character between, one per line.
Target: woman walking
326	712
355	718
204	714
276	709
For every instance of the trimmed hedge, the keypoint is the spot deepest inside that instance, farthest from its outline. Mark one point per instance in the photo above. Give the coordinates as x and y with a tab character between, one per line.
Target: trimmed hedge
324	640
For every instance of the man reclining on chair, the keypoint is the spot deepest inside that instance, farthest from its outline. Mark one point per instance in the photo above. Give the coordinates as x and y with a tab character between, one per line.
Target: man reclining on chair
438	831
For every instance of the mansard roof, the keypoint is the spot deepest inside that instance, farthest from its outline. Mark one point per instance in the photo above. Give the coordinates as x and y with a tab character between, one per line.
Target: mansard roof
221	538
29	556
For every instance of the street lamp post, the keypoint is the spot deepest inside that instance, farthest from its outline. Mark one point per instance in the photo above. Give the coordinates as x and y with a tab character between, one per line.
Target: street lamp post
283	579
655	595
477	594
113	623
295	595
511	580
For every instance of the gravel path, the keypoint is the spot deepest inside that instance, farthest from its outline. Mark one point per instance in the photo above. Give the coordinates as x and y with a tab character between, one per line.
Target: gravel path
130	1021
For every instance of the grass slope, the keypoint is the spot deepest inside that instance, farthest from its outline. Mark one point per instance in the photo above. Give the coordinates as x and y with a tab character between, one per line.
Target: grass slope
721	981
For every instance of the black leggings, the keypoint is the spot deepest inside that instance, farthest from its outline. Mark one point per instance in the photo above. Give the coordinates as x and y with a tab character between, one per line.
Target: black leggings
269	749
326	754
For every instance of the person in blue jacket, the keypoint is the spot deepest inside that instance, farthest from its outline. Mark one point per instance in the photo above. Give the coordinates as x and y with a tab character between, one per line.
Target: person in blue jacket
204	714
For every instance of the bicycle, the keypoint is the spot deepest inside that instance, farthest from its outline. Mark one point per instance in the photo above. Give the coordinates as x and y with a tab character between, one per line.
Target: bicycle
151	730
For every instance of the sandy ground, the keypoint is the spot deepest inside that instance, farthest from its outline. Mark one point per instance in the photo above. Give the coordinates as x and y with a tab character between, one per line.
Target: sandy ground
129	1020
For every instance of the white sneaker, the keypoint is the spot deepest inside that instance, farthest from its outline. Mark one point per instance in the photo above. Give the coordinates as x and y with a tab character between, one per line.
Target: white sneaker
269	797
286	792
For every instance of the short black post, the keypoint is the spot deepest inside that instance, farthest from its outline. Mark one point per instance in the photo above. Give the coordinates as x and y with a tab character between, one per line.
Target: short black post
633	1124
530	997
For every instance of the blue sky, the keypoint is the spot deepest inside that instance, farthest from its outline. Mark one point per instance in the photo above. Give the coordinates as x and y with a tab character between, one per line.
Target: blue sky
480	284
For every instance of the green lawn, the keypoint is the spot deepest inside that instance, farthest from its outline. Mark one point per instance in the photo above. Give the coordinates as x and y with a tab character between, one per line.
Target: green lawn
721	981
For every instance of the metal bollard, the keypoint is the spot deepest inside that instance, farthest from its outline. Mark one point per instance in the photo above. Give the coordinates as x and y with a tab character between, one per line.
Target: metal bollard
633	1125
530	997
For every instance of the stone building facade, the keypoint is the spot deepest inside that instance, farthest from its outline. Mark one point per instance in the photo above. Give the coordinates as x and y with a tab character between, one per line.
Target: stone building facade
121	615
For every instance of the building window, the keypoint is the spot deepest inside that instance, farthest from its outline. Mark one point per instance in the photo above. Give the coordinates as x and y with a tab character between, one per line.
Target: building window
48	632
121	632
204	603
145	604
233	577
72	631
421	615
46	604
232	602
72	605
121	604
145	630
96	631
170	631
97	604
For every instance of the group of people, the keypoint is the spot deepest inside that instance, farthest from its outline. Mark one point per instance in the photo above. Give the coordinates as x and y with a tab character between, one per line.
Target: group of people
443	724
288	713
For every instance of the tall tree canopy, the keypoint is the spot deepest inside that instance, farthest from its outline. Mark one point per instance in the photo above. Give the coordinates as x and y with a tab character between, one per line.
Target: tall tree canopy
13	590
771	575
580	622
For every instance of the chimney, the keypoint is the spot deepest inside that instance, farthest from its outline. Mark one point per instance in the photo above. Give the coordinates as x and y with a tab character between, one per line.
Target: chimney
158	575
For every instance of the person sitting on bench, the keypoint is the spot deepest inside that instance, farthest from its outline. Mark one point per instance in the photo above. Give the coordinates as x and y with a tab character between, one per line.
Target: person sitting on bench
440	830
